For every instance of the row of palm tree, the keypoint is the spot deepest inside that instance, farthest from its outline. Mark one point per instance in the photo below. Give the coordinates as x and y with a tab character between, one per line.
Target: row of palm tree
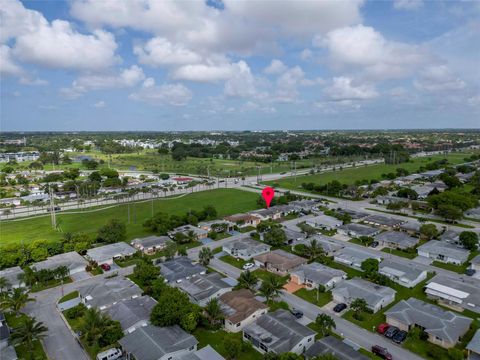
15	300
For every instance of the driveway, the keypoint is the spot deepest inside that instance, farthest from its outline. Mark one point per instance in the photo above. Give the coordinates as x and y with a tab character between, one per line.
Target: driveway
82	275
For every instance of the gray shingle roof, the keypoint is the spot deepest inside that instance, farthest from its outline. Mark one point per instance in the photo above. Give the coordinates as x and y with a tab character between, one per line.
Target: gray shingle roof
206	353
318	273
383	220
180	268
247	243
151	241
474	344
131	311
107	292
436	321
465	291
436	247
362	230
397	238
110	251
204	286
336	347
11	274
281	259
281	328
357	288
72	260
476	260
152	342
409	272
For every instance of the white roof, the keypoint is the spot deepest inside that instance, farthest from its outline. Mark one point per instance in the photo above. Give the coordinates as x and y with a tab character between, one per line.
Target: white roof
447	290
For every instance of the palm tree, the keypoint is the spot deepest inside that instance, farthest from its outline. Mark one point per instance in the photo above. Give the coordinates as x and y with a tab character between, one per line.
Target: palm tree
191	236
205	255
271	287
26	334
4	284
325	324
247	280
62	272
358	306
313	249
16	300
214	312
93	324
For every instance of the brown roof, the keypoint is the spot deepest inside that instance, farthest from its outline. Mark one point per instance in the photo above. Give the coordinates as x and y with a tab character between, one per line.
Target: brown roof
243	304
241	217
281	259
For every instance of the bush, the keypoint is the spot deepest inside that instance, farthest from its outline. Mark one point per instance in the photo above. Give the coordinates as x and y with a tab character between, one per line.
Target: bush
75	312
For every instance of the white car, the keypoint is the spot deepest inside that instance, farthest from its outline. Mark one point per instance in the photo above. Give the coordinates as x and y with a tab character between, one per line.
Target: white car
248	266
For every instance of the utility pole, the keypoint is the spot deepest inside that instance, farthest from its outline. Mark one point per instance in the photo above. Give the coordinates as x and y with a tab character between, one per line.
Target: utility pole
128	210
295	170
52	208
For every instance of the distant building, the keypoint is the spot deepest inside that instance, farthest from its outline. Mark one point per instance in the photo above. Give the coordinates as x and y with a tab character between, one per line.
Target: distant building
108	253
357	230
324	222
383	221
444	252
150	244
279	332
186	229
444	328
245	248
279	261
407	275
396	240
244	220
315	274
354	257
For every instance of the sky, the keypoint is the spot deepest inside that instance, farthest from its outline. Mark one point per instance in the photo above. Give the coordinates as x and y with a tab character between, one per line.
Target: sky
239	65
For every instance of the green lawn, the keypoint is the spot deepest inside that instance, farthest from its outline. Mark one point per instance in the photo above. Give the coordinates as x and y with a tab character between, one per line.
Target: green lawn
226	201
69	296
311	296
22	352
263	275
238	263
350	175
50	284
401	253
216	339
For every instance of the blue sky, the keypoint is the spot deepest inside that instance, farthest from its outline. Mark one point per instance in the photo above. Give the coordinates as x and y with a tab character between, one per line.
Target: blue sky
238	64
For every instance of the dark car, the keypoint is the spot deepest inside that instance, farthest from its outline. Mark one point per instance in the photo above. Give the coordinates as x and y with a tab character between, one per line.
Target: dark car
340	307
381	352
391	331
374	244
297	313
470	272
105	267
399	337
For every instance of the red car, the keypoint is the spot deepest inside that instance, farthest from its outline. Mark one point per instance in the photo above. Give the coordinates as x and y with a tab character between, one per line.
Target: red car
105	267
381	352
381	328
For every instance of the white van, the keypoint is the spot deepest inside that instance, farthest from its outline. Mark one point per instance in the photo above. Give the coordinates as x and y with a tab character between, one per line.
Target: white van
110	354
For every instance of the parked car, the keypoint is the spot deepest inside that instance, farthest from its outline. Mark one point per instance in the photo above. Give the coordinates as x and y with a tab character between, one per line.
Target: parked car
391	331
110	354
340	307
55	208
105	267
374	244
381	352
470	272
297	313
381	328
400	337
248	266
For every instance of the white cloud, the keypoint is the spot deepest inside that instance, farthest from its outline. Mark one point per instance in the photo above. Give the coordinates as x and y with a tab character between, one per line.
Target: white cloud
287	84
343	88
55	44
171	94
438	78
241	83
159	51
306	54
407	4
100	104
276	67
362	48
7	64
203	72
126	78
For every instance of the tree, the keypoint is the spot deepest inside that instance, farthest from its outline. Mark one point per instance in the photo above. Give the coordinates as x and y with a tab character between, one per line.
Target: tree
325	324
455	354
275	237
271	287
4	284
145	272
469	240
113	231
428	231
213	312
358	306
232	348
314	249
27	333
370	266
170	250
189	321
247	280
93	324
205	255
449	212
16	300
366	240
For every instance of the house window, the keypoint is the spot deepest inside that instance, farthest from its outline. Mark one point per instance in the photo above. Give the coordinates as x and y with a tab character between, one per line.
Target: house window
238	324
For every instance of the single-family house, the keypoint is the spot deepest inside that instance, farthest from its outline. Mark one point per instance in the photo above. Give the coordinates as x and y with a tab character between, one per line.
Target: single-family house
244	220
444	328
396	240
354	214
108	292
473	347
108	253
179	269
324	222
71	260
304	205
279	332
356	230
158	343
14	277
150	244
132	313
456	292
451	236
272	213
213	225
315	274
407	275
293	236
444	252
474	263
383	221
205	353
240	308
354	257
386	200
279	261
201	289
245	248
188	229
336	347
376	296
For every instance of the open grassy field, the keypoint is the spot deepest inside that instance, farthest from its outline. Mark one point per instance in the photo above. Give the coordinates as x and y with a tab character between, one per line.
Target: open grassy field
226	201
350	175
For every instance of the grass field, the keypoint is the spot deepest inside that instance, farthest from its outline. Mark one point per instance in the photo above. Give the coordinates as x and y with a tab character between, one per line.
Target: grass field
350	175
226	201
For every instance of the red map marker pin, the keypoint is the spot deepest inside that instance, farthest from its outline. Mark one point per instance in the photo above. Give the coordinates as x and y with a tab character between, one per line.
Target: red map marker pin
268	194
